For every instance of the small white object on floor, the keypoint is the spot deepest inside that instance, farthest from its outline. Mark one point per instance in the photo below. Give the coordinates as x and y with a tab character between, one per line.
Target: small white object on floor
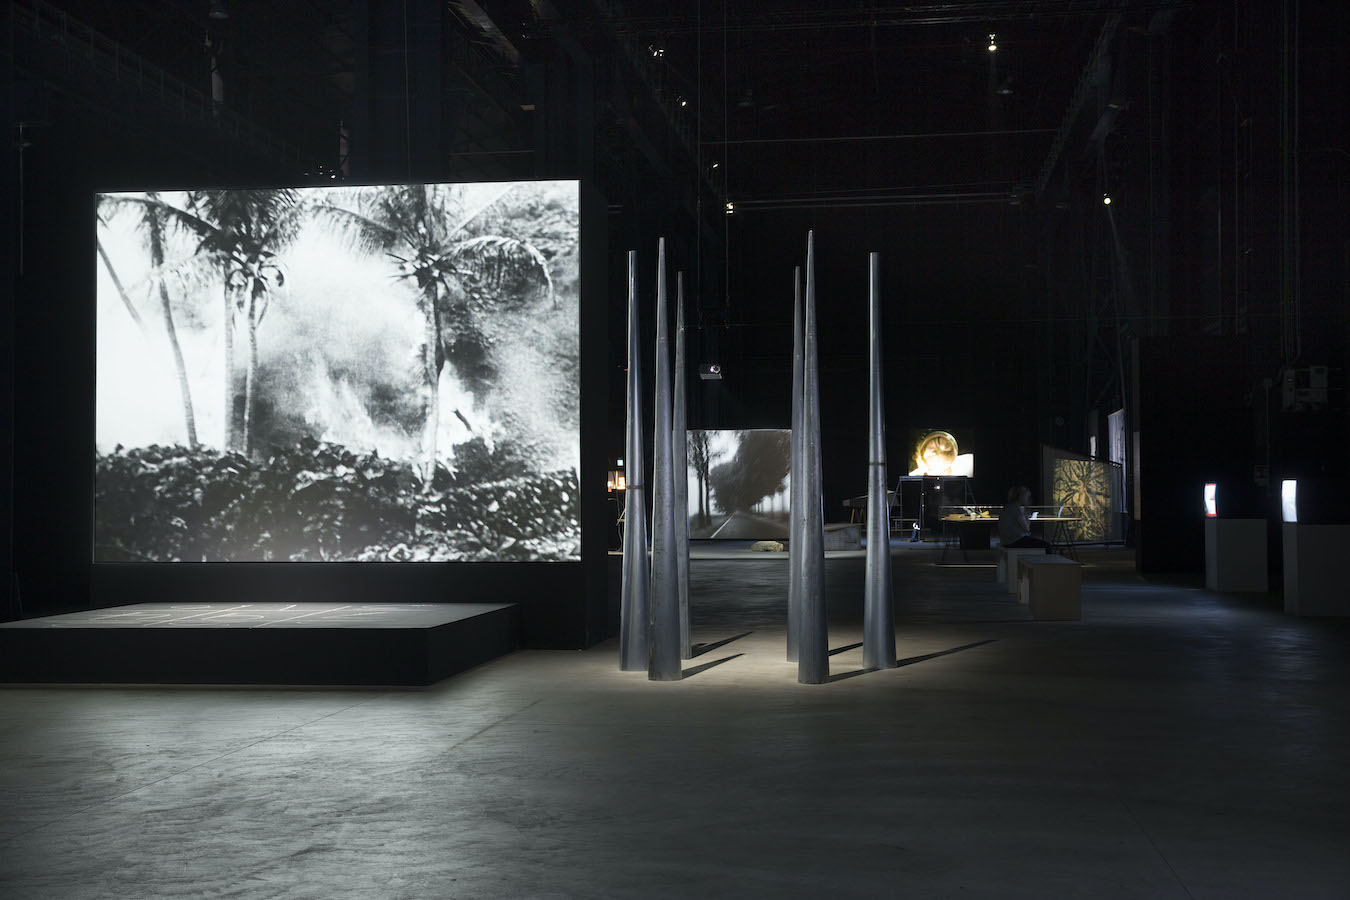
770	546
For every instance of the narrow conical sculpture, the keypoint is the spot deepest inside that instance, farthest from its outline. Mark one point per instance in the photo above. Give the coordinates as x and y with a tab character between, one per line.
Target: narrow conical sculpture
635	603
813	659
878	611
795	548
663	637
679	443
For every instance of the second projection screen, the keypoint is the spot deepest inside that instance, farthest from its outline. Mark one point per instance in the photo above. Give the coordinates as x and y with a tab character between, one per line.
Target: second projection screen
738	484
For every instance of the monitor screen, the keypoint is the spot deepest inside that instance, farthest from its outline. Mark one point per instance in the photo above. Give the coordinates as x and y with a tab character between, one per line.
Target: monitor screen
934	451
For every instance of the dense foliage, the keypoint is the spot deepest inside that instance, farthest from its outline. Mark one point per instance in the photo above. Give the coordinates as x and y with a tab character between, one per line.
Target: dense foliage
317	501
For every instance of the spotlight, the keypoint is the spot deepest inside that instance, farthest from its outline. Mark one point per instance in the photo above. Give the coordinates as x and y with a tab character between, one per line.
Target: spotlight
730	209
715	164
684	102
1106	199
992	46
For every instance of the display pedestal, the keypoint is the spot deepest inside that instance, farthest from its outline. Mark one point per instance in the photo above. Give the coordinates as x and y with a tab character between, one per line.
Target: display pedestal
1315	570
1050	586
1005	572
1235	555
843	536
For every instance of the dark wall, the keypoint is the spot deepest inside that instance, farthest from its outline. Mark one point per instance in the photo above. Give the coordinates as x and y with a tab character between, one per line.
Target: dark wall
962	349
79	152
1194	420
9	249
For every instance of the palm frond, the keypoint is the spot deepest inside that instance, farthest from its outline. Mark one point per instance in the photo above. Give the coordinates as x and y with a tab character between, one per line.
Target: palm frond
492	260
356	231
192	272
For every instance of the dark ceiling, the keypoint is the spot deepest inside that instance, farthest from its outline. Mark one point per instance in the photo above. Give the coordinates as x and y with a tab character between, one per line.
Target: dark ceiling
797	102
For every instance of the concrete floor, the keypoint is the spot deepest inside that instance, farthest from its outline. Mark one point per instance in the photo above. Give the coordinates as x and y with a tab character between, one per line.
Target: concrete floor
1174	743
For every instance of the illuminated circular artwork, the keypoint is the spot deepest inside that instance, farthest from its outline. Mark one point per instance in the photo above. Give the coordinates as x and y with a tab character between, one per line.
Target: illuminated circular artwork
935	453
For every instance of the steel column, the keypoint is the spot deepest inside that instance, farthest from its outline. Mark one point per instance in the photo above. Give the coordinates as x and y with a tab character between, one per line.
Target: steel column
680	461
878	608
795	543
813	659
635	603
663	638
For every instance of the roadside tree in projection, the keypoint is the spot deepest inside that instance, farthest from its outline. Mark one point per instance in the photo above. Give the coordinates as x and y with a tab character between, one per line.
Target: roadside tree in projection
738	484
372	373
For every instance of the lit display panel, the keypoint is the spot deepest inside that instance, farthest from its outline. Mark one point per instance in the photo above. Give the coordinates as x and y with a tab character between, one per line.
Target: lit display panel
1289	501
1081	489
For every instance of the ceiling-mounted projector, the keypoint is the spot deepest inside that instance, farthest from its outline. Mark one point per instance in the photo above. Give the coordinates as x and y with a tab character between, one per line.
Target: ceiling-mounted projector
710	372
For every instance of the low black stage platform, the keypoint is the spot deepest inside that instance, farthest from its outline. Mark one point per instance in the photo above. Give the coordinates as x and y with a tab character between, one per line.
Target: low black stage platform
259	643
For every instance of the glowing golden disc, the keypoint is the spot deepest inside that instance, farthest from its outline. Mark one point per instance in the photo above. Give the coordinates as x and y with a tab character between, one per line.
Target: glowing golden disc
935	453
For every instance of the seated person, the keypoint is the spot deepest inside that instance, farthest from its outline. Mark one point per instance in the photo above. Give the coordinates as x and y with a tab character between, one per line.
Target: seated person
1013	528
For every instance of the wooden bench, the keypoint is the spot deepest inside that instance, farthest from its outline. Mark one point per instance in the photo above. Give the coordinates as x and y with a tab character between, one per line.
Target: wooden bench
1051	586
1006	570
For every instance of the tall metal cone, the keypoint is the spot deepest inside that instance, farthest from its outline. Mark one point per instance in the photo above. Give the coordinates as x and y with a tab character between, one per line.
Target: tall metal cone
878	610
679	443
813	660
635	604
795	548
663	638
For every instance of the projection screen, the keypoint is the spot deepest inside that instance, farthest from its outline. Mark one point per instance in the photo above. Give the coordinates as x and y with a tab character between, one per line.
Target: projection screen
381	373
738	484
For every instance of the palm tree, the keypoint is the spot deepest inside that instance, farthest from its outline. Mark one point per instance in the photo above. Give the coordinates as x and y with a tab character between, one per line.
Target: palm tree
239	233
153	222
419	227
242	231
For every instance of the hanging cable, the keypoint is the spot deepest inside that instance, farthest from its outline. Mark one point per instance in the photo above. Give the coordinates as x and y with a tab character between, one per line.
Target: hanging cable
726	177
407	96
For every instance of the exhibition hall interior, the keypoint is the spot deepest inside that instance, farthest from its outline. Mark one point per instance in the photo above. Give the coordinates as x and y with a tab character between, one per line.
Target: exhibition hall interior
746	448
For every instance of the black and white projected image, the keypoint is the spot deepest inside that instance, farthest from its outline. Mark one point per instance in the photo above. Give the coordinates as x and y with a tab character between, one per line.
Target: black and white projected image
383	373
738	484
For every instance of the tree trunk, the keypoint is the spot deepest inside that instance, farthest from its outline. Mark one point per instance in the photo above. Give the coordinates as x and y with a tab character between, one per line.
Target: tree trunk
250	378
121	291
184	392
229	372
431	377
